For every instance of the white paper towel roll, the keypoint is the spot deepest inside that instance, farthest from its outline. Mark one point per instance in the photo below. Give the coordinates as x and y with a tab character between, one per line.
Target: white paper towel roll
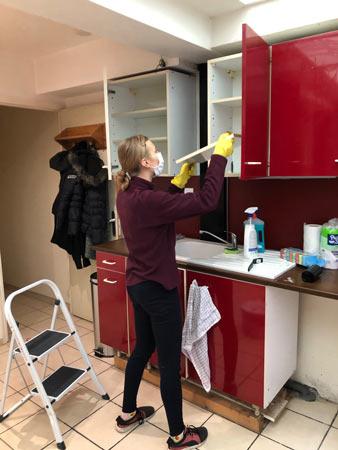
311	238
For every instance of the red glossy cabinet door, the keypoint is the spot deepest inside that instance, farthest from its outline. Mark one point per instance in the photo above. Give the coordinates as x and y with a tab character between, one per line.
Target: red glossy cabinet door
304	107
132	338
255	104
236	342
113	309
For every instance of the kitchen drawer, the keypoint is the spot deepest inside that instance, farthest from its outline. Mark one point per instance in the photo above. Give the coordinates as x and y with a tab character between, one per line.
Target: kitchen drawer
113	309
109	261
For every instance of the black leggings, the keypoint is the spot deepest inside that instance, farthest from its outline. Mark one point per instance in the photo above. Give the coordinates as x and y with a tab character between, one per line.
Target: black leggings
158	323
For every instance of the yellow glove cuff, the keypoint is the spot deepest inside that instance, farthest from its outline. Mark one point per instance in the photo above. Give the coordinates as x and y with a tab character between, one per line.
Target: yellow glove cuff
180	180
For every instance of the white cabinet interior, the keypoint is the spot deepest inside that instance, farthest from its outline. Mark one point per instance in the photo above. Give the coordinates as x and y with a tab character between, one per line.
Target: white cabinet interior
225	104
160	105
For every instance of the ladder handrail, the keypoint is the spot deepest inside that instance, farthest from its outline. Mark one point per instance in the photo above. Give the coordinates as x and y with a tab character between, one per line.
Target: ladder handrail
10	298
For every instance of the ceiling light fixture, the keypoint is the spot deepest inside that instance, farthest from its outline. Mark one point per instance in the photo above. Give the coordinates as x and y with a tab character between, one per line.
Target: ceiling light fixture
250	2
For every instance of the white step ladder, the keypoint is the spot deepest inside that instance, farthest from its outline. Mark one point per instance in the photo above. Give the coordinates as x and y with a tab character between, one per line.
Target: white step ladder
56	385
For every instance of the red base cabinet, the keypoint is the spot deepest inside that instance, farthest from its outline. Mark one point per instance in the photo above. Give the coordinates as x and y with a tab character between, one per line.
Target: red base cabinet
253	348
113	309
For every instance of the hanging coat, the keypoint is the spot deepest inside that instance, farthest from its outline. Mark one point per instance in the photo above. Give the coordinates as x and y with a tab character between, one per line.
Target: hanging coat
201	315
80	208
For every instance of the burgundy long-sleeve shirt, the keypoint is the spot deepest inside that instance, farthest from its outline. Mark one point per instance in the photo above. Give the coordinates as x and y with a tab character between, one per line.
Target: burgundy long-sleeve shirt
147	219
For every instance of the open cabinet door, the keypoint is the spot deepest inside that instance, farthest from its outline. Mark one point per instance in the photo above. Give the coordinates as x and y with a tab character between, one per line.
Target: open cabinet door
255	104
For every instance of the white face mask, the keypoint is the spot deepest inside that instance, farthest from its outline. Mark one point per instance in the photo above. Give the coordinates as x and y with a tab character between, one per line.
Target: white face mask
159	168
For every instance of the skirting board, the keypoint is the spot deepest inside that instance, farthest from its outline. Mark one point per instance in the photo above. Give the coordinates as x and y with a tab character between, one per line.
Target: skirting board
209	401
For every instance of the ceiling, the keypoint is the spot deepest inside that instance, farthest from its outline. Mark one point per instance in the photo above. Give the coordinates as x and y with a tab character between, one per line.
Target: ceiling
213	8
33	36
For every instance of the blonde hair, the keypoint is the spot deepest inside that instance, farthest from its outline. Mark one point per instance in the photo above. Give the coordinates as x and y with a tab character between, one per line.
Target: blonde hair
130	152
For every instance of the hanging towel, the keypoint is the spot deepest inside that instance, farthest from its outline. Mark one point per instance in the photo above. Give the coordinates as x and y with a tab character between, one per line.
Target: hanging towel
201	315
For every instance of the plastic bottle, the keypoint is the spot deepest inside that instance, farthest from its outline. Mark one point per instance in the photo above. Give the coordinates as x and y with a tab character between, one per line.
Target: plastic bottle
250	235
259	226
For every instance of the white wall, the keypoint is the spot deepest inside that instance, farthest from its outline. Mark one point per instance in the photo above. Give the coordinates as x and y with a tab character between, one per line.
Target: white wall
275	20
318	345
27	190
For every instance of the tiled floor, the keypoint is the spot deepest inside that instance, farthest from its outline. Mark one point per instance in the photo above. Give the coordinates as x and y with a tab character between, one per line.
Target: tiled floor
87	421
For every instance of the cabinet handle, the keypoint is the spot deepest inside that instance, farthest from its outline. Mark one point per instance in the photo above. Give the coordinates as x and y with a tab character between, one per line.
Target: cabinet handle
106	280
253	163
336	160
109	263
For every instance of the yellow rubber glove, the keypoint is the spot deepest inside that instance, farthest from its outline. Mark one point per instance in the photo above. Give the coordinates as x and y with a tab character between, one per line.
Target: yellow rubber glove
224	145
180	180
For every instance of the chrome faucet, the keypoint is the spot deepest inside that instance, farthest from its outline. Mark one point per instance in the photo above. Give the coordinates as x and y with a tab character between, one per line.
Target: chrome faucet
233	239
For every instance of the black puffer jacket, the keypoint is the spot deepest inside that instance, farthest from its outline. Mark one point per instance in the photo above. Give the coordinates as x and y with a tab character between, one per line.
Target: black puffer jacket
80	208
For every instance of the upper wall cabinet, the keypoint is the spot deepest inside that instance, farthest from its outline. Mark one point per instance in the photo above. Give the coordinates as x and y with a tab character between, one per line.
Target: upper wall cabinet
238	101
304	107
160	105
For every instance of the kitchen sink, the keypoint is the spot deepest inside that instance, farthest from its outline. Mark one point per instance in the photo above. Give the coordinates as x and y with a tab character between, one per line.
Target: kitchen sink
211	254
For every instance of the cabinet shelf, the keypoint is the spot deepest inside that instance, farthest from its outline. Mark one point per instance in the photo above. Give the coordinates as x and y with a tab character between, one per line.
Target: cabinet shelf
228	101
231	62
142	113
153	139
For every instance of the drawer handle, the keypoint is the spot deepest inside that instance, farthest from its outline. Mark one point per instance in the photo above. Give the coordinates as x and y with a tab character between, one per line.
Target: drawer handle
109	263
106	280
336	160
253	163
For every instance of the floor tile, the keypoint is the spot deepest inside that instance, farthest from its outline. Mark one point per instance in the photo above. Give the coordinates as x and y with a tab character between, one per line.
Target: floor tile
331	440
34	433
109	360
99	427
10	391
87	341
148	394
226	435
77	405
296	431
33	318
321	409
112	380
4	348
16	381
335	423
26	410
4	362
145	436
83	323
60	325
74	441
263	443
192	415
4	446
98	365
69	355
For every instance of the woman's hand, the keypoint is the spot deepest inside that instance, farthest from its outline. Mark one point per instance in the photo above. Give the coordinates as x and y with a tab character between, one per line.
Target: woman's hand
187	170
224	145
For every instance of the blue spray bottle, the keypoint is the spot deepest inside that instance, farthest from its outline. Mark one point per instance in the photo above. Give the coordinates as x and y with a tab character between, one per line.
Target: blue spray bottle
259	227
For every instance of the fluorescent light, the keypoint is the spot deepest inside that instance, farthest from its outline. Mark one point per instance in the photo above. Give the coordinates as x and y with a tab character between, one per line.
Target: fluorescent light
249	2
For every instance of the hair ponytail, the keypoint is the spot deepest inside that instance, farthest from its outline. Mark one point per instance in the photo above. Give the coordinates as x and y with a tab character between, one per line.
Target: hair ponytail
130	152
122	180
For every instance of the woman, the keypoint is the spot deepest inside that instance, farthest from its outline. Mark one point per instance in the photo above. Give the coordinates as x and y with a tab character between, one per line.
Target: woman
147	220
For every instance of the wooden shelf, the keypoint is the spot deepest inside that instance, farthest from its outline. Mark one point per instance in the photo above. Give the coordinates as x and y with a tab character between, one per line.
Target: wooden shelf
228	101
95	133
142	113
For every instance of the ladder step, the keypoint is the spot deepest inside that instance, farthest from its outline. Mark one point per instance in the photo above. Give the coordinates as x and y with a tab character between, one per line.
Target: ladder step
61	380
44	342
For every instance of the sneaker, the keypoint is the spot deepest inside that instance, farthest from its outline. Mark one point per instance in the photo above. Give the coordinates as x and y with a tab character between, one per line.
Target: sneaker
143	414
193	437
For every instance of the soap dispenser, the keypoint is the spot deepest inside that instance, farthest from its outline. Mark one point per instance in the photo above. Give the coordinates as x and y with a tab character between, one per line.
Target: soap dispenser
250	234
